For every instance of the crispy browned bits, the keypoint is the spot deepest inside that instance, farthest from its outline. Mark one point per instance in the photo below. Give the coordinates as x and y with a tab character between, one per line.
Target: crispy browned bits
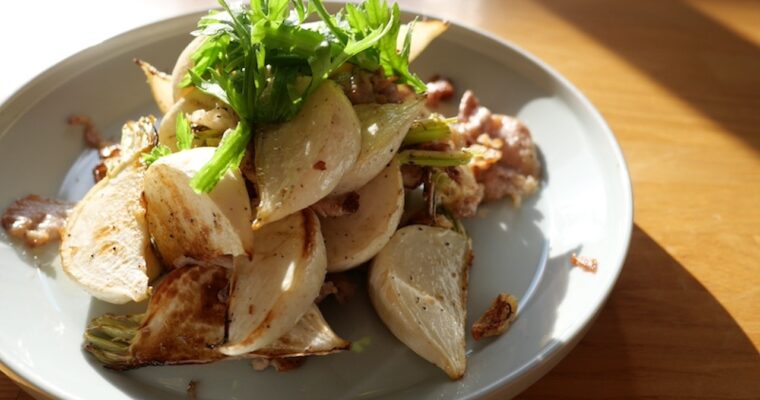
337	206
438	89
588	264
497	318
281	364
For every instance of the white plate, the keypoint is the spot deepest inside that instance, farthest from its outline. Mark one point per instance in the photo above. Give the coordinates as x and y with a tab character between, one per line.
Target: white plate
584	206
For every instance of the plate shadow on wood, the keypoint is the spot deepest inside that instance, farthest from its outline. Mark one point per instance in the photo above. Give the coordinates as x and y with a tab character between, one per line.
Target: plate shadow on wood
688	346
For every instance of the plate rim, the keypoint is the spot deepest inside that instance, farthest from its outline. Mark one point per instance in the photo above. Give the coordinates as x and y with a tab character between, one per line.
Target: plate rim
548	356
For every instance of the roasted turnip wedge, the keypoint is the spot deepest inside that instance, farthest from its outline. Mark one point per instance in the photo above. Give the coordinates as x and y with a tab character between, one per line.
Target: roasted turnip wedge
185	324
198	228
271	292
301	161
310	337
160	85
183	64
106	245
418	285
355	238
423	34
383	127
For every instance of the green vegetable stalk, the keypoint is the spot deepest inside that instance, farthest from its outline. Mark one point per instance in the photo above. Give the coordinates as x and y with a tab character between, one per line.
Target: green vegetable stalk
433	158
429	130
108	338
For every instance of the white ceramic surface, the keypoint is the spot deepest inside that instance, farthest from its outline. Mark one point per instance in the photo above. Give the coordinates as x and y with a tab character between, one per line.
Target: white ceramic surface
584	206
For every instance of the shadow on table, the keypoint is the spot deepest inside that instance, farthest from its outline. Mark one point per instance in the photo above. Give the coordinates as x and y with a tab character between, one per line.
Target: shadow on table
661	333
678	46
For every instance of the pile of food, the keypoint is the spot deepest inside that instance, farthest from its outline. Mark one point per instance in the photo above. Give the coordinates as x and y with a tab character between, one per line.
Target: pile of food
292	144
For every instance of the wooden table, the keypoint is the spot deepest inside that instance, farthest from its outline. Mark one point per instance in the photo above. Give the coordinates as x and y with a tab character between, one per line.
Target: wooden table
679	83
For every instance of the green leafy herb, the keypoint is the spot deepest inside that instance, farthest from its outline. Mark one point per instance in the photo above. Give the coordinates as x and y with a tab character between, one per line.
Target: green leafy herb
264	60
184	132
156	153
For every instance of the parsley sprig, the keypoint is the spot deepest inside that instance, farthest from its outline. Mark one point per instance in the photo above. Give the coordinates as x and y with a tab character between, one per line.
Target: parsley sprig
265	59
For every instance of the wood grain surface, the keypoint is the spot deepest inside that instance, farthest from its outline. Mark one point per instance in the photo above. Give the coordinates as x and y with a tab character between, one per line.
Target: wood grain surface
679	83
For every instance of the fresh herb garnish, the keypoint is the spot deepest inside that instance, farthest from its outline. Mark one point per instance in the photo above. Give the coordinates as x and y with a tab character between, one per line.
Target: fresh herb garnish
155	153
265	59
184	132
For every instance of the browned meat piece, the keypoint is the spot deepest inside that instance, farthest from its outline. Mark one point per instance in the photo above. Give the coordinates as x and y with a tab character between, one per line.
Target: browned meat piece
438	89
283	364
91	135
585	263
328	288
412	175
346	286
341	285
108	152
108	155
286	364
35	219
364	87
459	192
505	159
337	206
497	318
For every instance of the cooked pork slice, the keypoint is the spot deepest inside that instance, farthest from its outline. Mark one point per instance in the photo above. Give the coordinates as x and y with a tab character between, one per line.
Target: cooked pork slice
505	158
497	318
36	220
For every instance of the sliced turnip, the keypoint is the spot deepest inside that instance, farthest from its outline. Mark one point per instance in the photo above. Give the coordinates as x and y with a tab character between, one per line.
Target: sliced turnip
355	238
383	127
418	285
271	292
301	161
186	225
106	245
